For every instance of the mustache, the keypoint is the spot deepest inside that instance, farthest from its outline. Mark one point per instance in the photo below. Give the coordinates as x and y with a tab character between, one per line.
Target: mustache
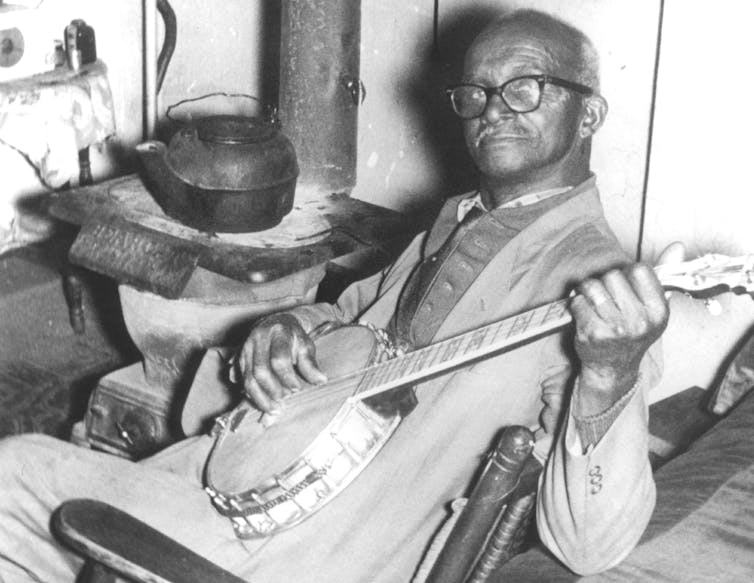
489	130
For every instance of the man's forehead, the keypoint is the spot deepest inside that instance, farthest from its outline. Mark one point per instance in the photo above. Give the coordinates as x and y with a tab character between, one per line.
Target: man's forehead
520	50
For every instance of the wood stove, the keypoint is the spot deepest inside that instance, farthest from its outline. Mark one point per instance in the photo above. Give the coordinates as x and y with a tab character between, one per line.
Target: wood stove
183	290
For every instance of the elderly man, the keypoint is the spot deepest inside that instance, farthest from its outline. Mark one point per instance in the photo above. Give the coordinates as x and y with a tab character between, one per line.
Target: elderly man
533	232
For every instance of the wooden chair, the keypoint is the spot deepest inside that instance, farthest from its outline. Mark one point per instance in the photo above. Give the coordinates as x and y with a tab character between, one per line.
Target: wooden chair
487	532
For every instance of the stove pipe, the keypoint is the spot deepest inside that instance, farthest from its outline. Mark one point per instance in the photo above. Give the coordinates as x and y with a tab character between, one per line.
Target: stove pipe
320	90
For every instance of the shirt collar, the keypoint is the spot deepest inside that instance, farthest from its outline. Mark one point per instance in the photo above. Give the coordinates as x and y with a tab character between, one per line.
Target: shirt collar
475	200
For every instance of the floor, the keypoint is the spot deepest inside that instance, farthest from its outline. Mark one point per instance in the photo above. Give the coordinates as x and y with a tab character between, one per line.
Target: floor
47	369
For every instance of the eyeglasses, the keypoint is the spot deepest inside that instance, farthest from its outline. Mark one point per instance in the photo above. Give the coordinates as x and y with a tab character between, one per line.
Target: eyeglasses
521	94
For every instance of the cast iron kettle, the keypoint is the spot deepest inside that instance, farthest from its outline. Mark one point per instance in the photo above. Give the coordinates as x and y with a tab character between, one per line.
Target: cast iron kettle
224	173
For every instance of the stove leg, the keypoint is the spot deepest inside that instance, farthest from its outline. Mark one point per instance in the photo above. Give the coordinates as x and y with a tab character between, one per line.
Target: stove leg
74	296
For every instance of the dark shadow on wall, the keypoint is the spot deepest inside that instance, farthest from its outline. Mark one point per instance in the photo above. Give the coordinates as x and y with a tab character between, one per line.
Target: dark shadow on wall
432	67
437	65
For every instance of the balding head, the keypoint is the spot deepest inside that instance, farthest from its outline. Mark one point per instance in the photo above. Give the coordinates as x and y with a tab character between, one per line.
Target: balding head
573	53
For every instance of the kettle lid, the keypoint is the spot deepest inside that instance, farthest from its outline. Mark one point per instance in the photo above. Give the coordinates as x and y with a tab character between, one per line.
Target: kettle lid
234	129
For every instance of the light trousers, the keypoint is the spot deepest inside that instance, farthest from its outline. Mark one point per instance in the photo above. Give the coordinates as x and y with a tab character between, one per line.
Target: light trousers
38	473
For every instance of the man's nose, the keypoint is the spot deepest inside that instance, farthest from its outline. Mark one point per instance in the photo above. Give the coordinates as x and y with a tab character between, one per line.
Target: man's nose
496	108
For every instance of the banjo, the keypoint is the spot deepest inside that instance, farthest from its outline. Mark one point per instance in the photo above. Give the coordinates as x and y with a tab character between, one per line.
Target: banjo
268	474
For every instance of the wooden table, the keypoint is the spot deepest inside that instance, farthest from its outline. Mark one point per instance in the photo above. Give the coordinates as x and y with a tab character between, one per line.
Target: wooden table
125	235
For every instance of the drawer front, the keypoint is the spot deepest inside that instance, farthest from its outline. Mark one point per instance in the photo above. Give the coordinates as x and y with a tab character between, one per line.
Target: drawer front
120	423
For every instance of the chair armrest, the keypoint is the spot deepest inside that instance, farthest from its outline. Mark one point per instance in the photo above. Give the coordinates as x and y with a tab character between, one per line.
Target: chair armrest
130	547
466	549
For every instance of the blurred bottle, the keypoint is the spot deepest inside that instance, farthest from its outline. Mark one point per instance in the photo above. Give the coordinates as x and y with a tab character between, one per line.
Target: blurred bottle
80	46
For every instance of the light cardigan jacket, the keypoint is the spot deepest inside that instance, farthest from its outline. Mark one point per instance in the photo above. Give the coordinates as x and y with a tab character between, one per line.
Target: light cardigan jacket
378	528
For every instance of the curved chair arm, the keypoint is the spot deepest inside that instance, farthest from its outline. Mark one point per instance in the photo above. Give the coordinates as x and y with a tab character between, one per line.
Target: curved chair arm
491	526
131	548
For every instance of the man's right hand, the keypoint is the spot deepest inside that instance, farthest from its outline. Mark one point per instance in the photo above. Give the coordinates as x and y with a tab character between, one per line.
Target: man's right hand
278	358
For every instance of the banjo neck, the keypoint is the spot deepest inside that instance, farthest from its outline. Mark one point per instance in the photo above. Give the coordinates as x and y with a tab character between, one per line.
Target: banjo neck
462	349
704	273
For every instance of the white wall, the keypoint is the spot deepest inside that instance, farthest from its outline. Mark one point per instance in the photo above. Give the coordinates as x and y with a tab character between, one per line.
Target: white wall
219	48
700	189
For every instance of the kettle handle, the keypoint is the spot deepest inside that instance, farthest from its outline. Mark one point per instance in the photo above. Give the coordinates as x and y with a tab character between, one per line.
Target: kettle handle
270	113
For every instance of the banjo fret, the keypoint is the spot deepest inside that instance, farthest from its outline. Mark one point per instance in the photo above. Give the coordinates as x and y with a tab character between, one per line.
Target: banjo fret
439	357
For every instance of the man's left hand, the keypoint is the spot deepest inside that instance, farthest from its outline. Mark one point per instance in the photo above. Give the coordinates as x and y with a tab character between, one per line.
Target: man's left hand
618	317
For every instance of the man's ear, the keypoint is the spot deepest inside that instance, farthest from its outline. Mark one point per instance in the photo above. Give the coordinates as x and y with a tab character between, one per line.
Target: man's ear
595	112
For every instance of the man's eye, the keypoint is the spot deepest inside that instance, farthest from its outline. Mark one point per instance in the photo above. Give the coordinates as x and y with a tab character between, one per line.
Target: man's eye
472	94
522	92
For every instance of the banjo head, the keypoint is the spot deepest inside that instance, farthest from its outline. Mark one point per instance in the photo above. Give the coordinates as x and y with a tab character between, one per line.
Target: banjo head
270	476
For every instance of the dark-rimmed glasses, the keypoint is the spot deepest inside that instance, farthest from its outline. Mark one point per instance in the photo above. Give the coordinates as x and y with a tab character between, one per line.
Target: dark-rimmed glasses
520	94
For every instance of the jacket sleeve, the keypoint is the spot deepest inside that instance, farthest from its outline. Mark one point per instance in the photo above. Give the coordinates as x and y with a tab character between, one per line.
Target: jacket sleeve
350	303
376	295
594	503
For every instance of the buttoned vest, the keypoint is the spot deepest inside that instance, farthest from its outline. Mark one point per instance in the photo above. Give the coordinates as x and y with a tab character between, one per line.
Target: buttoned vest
442	278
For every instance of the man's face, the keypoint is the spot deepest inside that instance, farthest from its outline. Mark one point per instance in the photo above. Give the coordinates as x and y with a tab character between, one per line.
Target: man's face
516	146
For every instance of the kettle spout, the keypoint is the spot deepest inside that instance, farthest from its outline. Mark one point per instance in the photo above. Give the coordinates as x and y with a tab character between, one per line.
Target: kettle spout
165	186
152	155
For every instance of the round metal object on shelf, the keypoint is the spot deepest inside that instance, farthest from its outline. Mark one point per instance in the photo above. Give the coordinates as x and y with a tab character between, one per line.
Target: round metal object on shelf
11	47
